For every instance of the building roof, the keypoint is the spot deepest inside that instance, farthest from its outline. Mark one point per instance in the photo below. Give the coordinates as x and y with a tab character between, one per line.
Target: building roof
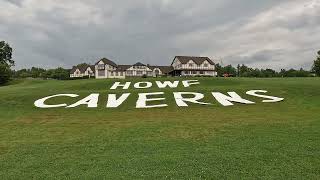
197	60
107	61
82	68
139	64
164	69
93	68
123	67
74	68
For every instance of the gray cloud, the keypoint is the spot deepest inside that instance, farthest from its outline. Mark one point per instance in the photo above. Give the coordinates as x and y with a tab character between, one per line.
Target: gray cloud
277	34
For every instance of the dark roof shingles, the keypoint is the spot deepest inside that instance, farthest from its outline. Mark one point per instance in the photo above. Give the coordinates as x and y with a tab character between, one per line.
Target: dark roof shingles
108	61
197	60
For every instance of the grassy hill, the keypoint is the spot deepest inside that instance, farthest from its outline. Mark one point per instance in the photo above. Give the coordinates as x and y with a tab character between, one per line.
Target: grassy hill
265	140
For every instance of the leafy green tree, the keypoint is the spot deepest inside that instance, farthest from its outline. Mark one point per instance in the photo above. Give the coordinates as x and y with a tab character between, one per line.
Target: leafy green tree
60	74
5	74
37	72
83	64
5	62
219	70
243	69
230	70
282	73
238	70
316	65
6	54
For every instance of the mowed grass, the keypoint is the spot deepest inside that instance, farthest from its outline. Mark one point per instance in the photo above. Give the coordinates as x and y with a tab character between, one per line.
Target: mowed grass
261	141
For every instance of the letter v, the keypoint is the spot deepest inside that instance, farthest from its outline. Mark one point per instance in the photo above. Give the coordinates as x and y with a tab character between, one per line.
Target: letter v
113	102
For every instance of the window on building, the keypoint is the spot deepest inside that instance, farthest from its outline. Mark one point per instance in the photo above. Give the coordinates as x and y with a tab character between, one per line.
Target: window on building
201	72
205	65
190	65
157	72
101	66
101	73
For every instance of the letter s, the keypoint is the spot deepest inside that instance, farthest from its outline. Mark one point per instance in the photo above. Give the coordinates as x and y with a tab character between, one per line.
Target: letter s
271	98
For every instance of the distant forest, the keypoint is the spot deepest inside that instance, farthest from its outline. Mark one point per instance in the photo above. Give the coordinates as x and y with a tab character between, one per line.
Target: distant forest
222	71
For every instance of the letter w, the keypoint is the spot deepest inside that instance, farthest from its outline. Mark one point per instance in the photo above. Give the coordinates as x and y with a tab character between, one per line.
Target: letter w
167	83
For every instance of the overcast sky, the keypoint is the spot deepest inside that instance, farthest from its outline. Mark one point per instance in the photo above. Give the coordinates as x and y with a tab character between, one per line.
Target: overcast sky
259	33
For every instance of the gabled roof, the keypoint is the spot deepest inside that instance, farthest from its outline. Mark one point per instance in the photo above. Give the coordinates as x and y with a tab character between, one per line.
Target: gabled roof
139	64
82	68
107	61
164	69
93	68
74	68
123	67
197	60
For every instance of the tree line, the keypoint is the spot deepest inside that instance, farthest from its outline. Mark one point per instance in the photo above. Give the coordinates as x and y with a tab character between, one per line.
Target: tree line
35	72
245	71
6	73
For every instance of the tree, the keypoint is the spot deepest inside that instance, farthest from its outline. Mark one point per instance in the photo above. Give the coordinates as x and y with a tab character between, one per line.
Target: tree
5	62
6	54
219	70
230	70
268	73
83	64
238	70
37	72
60	74
5	74
316	65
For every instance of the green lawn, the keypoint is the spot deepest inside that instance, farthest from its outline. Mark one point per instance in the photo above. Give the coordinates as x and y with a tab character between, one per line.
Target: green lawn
261	141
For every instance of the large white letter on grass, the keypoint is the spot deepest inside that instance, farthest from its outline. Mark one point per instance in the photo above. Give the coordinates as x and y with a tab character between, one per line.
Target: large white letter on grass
271	98
138	85
181	101
143	99
91	101
40	103
117	84
233	97
113	102
167	83
188	83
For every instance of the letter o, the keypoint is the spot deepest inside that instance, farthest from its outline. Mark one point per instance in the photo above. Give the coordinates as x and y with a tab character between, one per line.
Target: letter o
139	85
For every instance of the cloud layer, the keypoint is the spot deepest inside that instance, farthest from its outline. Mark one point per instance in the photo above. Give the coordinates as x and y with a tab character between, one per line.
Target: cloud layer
273	33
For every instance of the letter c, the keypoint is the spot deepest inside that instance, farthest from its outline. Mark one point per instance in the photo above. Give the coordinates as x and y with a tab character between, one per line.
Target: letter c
40	103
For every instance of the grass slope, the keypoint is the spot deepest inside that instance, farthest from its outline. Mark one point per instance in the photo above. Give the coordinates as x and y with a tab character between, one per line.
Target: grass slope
265	140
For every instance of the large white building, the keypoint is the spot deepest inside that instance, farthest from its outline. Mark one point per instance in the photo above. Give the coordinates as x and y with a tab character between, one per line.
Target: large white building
181	66
106	68
193	66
